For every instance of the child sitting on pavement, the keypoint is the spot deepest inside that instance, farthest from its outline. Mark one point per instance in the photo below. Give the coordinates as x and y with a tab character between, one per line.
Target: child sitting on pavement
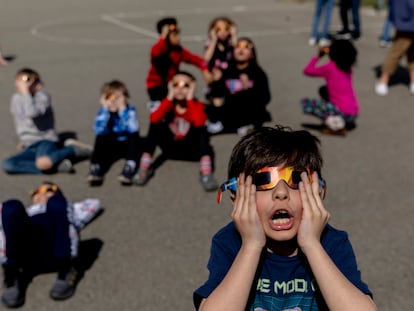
241	93
41	238
177	126
279	252
167	54
39	148
218	48
117	135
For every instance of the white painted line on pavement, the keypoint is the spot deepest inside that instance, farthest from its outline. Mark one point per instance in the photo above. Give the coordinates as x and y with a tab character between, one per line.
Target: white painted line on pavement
125	25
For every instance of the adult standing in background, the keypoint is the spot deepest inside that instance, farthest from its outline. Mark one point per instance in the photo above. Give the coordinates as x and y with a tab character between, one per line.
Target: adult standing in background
346	32
402	17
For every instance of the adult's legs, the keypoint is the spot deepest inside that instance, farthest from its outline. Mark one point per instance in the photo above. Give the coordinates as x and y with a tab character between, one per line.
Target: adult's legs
319	4
356	20
344	6
399	48
329	4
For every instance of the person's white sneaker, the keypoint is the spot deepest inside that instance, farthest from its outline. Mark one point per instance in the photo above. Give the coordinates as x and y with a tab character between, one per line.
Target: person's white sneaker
324	42
381	89
412	88
312	41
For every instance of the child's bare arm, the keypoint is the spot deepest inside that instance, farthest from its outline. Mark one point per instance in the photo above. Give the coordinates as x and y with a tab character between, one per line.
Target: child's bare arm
338	292
209	51
233	291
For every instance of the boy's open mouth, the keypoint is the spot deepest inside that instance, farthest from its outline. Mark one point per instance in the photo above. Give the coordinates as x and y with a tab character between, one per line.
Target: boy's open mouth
281	219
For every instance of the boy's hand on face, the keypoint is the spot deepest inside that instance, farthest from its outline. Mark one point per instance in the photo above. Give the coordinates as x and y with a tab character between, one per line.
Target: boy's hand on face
104	101
170	95
213	35
233	31
245	215
165	30
314	215
121	102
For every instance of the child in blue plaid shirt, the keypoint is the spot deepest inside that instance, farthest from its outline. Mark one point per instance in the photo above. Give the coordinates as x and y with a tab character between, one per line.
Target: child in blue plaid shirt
117	134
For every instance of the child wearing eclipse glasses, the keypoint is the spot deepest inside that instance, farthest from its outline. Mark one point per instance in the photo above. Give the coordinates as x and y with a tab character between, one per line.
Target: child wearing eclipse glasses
117	135
177	126
279	252
166	56
40	238
218	50
241	93
39	148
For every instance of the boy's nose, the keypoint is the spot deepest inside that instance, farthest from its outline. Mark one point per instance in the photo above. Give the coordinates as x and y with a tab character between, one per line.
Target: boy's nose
281	191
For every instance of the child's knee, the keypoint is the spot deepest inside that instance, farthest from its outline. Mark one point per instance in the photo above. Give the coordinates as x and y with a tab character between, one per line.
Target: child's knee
44	163
11	208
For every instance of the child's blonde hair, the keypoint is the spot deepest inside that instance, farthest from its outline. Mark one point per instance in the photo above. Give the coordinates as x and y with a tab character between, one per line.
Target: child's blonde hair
115	85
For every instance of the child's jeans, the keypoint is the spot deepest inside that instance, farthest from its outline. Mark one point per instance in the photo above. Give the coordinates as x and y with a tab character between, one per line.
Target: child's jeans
25	161
326	6
324	110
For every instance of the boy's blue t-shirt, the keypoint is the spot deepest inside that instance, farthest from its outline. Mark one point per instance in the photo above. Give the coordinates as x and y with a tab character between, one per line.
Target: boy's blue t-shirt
283	283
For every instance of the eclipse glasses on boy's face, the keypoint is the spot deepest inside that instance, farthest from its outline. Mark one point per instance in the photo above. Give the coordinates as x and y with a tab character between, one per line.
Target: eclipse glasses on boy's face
181	84
267	178
43	189
244	45
173	28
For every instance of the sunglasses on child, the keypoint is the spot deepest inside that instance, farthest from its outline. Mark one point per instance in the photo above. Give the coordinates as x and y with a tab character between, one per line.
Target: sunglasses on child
174	29
181	84
267	178
43	189
244	45
221	28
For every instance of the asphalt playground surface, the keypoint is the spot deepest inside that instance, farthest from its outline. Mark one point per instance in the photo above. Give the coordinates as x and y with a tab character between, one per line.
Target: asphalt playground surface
149	249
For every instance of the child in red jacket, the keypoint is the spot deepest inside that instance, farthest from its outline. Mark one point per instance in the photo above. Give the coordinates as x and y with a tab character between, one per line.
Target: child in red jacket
177	126
166	56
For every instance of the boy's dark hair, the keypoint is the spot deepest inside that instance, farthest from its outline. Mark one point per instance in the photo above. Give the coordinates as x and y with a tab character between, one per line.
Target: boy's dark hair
186	73
32	75
165	21
343	53
115	85
268	146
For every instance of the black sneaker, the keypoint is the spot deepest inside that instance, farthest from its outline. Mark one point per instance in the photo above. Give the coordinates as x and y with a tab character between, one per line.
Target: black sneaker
14	289
126	175
356	35
95	177
142	176
66	166
65	288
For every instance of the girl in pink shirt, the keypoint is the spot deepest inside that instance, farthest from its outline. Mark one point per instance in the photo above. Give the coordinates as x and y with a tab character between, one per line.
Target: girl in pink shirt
338	106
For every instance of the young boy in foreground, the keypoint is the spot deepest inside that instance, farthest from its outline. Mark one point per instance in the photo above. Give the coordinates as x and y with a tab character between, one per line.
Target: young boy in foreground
279	252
